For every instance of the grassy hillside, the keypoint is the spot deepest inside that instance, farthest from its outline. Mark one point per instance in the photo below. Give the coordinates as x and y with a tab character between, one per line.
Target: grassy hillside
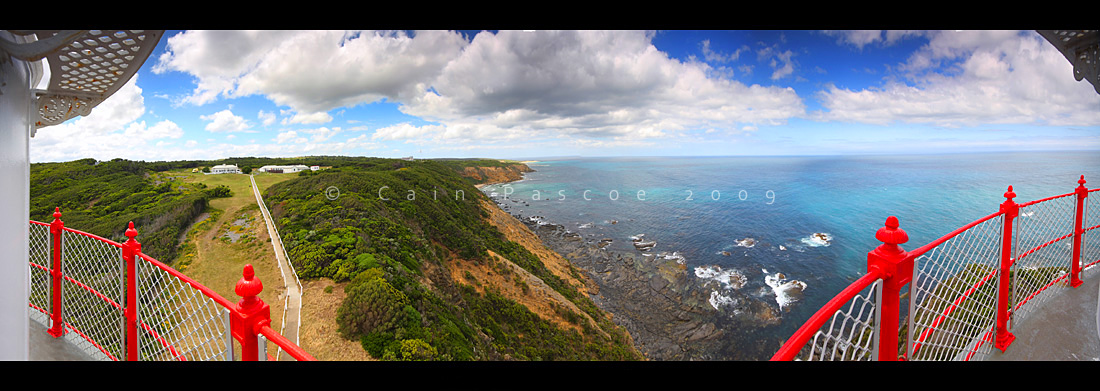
102	197
394	233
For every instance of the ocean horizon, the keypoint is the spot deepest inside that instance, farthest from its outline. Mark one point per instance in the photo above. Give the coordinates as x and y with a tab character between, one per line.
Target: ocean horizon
792	231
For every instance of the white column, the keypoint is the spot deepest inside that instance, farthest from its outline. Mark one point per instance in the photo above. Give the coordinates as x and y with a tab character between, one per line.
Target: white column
16	78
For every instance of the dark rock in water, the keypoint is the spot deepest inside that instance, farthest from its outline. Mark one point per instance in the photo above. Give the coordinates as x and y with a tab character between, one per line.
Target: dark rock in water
726	253
644	246
662	305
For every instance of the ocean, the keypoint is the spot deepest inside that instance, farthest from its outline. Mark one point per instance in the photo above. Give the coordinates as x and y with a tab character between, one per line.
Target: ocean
777	221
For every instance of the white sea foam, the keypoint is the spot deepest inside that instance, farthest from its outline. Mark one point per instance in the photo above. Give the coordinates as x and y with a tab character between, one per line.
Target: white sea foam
718	300
818	239
746	242
781	248
786	291
585	225
674	256
730	279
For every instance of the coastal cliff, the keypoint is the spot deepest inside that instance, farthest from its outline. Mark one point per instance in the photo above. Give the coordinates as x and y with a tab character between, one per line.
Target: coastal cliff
489	175
663	307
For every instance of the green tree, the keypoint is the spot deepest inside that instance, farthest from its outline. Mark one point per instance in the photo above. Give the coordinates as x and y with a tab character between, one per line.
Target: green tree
371	305
417	350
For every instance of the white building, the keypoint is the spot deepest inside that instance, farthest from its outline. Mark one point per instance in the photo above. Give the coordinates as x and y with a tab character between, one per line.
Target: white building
284	169
225	169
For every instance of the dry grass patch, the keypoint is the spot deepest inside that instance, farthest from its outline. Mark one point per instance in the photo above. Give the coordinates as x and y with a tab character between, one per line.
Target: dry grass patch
319	333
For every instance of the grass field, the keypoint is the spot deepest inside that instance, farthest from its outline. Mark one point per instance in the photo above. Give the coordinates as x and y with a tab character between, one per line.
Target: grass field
218	260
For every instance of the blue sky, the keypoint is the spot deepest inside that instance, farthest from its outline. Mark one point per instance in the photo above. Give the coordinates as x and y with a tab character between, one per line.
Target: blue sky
531	94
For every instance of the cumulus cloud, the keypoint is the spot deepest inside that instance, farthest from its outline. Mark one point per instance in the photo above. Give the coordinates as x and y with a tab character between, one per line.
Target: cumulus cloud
861	38
110	131
309	71
309	118
506	85
267	118
588	84
225	121
969	78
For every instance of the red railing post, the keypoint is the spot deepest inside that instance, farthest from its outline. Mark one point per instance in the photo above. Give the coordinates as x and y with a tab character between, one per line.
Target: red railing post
1078	230
890	262
130	251
56	228
250	314
1011	210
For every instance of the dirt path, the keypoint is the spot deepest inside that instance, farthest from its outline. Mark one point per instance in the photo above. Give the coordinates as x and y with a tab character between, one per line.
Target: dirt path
292	316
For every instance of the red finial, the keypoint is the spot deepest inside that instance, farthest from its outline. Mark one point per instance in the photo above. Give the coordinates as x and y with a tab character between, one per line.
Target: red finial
130	231
1082	180
57	211
248	286
1009	194
890	233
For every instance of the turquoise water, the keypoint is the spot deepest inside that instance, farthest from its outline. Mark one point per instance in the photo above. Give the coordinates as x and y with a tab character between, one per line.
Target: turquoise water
701	207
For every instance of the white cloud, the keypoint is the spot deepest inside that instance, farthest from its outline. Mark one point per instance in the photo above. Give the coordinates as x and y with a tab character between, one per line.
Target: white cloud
321	134
781	62
861	38
588	84
507	85
289	135
112	130
309	71
225	121
973	77
404	131
267	118
309	118
711	55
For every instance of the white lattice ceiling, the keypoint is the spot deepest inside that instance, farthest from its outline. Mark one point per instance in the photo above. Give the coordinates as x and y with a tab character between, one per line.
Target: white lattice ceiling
86	67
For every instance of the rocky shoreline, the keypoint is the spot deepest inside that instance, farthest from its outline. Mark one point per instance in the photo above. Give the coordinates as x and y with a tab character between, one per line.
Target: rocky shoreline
667	310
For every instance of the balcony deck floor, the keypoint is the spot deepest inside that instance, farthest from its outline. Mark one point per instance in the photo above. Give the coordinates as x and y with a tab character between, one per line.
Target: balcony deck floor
47	348
1064	329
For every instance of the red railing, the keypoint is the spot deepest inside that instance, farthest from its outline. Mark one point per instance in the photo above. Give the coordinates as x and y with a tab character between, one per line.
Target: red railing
965	288
121	304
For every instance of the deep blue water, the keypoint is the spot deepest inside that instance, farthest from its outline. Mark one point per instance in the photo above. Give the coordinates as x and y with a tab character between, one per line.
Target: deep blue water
701	206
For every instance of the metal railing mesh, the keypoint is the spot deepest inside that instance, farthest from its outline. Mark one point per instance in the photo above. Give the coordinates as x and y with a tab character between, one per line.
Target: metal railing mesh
1090	241
177	321
953	295
40	259
1043	250
93	289
849	336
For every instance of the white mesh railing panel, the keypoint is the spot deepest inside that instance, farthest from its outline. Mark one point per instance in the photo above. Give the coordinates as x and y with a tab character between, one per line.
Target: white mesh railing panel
41	261
850	333
178	322
1090	241
1043	250
954	295
92	294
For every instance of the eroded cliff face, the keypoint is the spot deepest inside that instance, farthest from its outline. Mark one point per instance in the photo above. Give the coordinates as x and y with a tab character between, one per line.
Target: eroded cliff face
490	175
506	278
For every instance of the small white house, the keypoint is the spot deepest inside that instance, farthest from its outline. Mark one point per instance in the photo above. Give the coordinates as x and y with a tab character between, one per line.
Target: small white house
314	168
284	169
225	169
